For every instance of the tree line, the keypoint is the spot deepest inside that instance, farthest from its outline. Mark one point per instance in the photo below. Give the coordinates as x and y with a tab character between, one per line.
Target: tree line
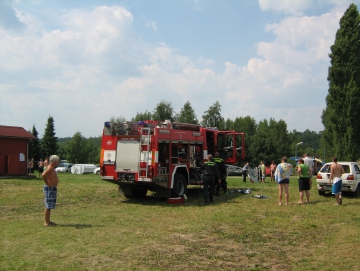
266	140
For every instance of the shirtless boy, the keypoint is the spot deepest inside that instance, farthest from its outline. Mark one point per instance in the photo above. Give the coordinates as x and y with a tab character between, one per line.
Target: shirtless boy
272	171
50	188
336	171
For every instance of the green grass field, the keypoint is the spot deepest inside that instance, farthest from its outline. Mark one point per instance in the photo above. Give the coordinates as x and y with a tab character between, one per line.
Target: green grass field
98	229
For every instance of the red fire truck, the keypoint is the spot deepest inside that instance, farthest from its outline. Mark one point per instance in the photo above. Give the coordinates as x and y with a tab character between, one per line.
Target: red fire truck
163	157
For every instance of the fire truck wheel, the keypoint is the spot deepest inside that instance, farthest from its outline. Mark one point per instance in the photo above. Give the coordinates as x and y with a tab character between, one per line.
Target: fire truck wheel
132	192
179	188
138	193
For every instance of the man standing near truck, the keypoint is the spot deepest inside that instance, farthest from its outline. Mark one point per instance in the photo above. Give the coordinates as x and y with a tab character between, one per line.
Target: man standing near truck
211	173
222	171
336	171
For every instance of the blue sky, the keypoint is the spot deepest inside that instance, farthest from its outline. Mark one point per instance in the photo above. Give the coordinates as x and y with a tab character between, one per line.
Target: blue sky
83	62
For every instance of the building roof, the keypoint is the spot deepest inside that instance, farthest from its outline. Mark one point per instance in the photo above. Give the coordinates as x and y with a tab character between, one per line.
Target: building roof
14	132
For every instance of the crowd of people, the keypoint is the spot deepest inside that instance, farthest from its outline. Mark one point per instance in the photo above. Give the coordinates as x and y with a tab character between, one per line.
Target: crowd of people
215	177
41	166
305	170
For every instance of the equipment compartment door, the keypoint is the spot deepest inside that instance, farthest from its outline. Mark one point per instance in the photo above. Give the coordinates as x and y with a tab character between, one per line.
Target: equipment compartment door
127	157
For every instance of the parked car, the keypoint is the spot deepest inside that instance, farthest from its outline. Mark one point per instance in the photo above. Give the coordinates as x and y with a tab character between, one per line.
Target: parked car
350	178
64	167
97	171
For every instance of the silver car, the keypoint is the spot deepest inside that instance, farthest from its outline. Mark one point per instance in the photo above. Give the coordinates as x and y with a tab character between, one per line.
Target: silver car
350	178
64	167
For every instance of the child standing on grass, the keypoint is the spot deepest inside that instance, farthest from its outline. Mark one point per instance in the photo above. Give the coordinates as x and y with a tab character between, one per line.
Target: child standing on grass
50	188
272	171
263	171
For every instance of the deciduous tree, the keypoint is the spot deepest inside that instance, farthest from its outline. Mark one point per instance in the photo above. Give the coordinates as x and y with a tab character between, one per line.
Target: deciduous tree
212	117
341	115
187	114
248	126
270	142
76	149
142	116
163	111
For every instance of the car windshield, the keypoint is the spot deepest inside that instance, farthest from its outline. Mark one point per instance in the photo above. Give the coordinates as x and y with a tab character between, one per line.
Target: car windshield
326	169
346	168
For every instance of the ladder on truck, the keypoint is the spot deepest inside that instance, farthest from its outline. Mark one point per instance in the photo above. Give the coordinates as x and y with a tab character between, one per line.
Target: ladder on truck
144	151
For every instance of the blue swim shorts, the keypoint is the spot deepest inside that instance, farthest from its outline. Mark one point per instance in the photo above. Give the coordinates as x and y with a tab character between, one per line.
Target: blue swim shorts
50	197
336	188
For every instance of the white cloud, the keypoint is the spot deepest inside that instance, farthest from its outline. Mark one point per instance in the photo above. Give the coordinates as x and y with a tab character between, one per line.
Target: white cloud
286	6
307	34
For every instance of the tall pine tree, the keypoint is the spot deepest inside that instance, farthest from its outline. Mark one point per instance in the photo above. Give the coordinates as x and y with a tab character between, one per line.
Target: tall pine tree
49	144
34	146
341	115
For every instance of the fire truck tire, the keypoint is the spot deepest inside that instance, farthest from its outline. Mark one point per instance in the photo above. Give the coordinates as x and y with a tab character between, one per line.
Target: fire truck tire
133	193
138	193
180	187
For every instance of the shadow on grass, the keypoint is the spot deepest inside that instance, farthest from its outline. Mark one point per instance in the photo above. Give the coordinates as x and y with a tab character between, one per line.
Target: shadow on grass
78	226
346	203
345	194
195	197
312	202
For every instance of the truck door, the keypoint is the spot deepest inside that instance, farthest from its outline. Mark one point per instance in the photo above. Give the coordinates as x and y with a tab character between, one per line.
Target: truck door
230	146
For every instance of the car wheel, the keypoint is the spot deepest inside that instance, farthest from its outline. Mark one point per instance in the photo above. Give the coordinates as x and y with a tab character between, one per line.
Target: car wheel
321	192
357	191
98	172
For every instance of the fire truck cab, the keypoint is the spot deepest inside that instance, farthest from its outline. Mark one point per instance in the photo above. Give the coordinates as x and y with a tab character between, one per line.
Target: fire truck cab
163	157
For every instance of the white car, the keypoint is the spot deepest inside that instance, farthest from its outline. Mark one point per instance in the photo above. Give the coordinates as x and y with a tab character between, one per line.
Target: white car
64	167
97	171
350	178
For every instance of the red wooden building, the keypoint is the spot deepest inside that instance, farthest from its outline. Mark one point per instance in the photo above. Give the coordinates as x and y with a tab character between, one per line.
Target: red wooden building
14	148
